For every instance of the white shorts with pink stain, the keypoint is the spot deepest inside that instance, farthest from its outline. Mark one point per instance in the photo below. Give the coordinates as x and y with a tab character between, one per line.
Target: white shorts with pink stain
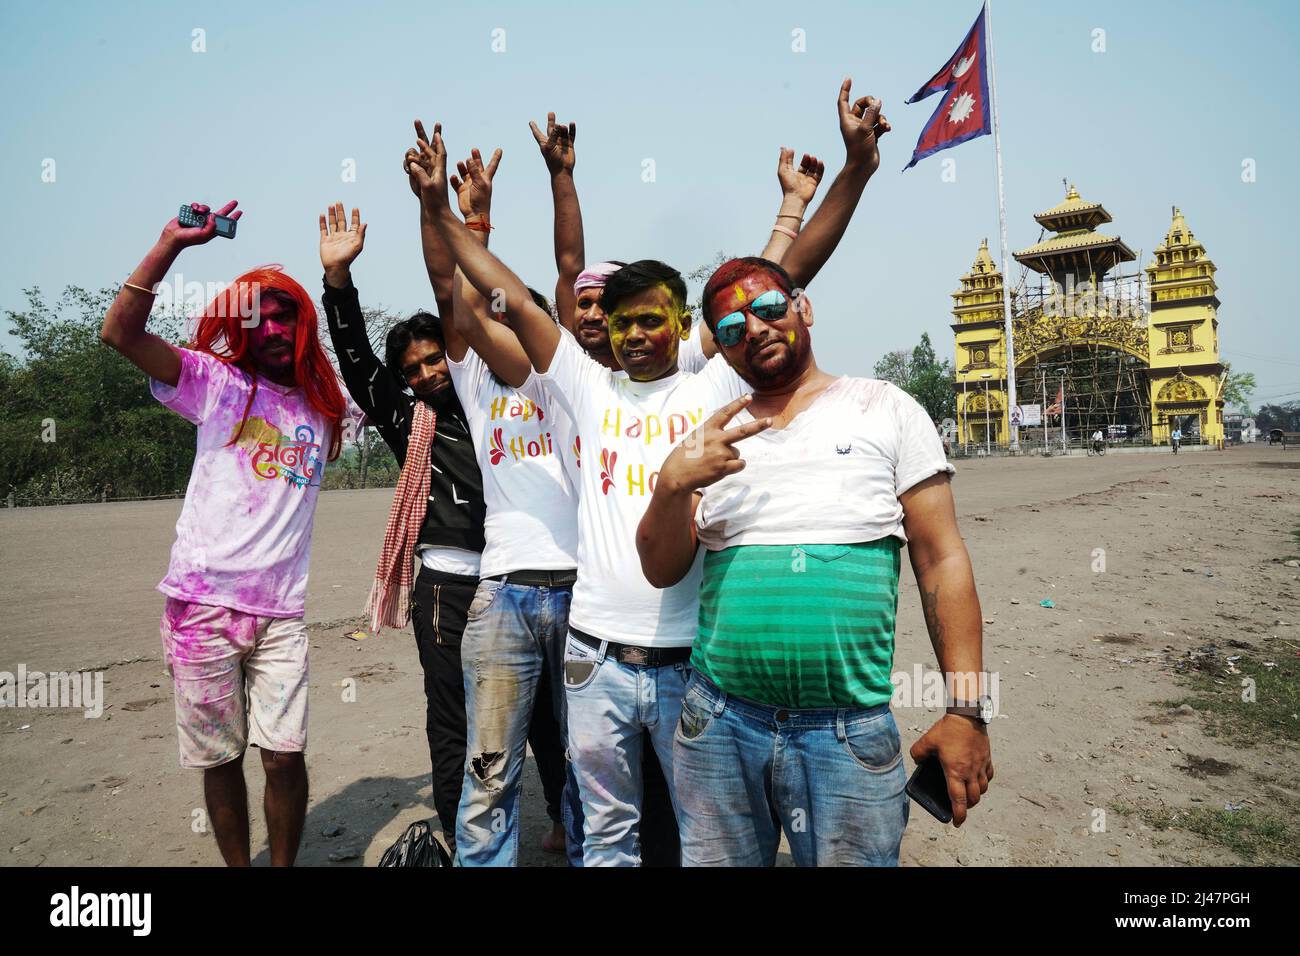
239	679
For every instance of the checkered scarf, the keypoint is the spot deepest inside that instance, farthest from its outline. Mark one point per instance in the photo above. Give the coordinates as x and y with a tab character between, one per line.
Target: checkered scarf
390	596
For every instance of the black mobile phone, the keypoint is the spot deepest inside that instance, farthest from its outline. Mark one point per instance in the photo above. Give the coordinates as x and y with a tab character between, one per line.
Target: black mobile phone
188	218
929	787
226	227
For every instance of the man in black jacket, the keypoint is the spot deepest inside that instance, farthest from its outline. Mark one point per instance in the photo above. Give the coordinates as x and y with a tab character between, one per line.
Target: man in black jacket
450	539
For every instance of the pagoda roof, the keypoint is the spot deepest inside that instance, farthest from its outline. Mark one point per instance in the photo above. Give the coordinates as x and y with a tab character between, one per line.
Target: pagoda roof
1074	212
1078	241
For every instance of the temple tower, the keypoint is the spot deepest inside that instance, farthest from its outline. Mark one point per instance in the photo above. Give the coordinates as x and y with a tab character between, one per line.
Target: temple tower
1186	373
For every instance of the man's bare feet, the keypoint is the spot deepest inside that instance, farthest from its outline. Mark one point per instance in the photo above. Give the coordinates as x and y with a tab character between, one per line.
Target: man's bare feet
553	842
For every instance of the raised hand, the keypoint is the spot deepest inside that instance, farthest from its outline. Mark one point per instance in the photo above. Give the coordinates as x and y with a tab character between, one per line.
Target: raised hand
802	182
413	156
709	453
339	245
557	144
861	125
180	237
426	164
474	184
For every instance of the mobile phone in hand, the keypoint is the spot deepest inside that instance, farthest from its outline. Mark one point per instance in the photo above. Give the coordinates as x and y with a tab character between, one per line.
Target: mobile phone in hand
929	787
190	219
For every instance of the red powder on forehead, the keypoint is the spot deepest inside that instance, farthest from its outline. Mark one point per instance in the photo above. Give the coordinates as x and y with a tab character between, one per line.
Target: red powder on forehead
732	272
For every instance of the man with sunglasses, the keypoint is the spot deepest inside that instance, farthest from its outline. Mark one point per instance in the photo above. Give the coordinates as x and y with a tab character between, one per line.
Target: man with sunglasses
785	724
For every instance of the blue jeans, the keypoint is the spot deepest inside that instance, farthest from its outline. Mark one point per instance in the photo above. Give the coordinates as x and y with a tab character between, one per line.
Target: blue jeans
831	779
609	706
513	632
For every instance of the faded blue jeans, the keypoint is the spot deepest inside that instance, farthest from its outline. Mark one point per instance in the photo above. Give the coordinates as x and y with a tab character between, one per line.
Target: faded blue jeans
609	706
831	779
513	632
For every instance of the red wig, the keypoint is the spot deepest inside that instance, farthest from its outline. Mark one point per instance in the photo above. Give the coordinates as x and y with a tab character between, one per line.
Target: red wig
223	334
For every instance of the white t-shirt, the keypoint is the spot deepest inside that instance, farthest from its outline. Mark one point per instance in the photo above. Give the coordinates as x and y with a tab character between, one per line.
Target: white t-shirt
690	354
831	476
243	540
531	506
624	430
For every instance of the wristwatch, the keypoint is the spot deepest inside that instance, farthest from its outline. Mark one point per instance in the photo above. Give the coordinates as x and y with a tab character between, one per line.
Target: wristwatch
981	709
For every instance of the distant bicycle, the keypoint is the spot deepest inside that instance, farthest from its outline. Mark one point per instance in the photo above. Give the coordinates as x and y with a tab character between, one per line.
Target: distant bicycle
1097	448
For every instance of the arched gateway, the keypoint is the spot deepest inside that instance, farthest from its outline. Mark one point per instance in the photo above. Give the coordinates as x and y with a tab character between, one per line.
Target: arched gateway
1134	355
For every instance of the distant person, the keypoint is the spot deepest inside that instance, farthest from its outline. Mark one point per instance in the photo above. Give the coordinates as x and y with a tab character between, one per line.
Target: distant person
1097	440
270	413
1175	439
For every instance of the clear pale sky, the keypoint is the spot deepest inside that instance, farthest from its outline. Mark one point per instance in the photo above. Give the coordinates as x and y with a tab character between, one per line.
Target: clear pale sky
138	123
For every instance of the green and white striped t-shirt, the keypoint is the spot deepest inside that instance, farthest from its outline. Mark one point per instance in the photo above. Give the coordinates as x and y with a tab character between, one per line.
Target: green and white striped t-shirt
800	576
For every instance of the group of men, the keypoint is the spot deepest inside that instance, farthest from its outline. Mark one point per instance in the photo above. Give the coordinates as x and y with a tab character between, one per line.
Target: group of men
663	552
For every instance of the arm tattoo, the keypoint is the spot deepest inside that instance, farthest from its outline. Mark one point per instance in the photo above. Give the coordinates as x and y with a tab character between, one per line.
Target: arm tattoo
930	605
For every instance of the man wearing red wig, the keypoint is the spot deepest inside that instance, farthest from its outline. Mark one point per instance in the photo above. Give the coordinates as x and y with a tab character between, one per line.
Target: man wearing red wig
270	413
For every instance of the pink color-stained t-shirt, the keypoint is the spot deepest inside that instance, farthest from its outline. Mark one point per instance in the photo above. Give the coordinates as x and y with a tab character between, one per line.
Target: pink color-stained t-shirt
243	540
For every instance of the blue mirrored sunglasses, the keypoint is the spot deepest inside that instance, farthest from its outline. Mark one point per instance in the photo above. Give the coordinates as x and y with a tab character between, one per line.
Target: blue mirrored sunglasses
770	306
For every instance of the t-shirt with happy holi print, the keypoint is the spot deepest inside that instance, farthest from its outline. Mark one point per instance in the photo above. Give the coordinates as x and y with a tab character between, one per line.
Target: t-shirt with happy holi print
623	431
243	540
531	519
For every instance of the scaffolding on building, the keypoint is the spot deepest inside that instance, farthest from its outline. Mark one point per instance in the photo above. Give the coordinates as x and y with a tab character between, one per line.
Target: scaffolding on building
1084	341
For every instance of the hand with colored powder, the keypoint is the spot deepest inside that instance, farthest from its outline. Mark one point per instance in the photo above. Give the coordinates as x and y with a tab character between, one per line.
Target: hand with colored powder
179	237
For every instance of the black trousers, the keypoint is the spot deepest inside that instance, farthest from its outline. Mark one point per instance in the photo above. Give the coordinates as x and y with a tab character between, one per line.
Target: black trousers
439	611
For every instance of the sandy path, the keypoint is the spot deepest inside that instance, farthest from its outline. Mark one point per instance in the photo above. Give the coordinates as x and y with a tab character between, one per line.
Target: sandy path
1075	734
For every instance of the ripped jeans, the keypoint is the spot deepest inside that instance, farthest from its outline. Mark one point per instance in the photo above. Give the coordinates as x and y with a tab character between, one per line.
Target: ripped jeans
514	635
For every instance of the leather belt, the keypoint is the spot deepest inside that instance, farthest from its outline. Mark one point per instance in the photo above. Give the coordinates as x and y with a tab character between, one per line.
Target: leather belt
537	579
635	653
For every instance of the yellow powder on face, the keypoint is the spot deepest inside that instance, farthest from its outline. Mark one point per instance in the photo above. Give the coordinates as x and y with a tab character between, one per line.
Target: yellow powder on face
790	337
740	293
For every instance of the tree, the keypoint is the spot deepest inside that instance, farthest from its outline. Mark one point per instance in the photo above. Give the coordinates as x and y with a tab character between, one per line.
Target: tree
922	376
895	367
75	416
1285	417
1237	388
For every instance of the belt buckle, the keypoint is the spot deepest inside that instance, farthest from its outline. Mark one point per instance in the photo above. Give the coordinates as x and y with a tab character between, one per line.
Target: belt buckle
632	654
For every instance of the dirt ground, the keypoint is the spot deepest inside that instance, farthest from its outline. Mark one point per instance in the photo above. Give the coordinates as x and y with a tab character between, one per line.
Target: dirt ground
1191	547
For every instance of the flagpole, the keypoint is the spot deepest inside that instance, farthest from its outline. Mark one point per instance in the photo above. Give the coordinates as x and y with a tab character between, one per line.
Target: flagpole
1002	222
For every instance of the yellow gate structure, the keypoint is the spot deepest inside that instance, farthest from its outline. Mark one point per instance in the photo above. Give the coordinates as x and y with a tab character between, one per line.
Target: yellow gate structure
1133	355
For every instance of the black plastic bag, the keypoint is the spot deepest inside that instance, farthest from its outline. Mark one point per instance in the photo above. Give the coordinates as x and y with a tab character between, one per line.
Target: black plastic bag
416	847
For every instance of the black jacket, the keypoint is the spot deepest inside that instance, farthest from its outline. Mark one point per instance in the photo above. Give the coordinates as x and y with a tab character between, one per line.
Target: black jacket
456	511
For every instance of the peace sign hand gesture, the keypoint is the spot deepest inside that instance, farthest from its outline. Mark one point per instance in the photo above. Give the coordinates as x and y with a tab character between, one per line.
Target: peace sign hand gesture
474	184
709	453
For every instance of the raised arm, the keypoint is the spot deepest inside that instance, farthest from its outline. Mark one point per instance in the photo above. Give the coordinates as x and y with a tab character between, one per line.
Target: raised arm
372	386
472	322
126	320
570	252
952	616
861	125
538	334
437	260
798	186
